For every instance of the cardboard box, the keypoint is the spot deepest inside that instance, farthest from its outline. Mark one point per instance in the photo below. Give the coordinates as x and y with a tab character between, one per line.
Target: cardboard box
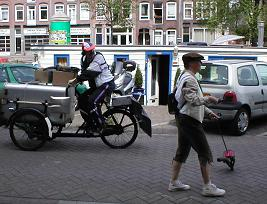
62	78
41	76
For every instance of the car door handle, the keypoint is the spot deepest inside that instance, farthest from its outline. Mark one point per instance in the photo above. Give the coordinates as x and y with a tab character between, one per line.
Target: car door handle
262	92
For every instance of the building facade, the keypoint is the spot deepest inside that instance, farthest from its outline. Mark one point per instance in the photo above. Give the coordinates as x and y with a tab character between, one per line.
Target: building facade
164	22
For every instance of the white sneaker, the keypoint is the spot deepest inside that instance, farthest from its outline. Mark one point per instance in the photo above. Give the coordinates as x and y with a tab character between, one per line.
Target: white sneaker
212	190
178	186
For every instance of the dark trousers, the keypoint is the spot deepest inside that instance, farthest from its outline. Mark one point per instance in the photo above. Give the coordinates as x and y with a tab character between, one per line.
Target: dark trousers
191	134
91	100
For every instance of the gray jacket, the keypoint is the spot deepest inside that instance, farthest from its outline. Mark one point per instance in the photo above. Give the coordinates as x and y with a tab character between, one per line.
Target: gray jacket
99	65
190	94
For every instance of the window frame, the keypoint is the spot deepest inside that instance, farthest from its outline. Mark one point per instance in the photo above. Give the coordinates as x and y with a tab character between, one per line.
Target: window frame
72	21
16	12
144	18
260	76
40	12
98	17
191	9
253	68
84	19
28	10
162	16
162	40
1	13
167	10
167	36
59	4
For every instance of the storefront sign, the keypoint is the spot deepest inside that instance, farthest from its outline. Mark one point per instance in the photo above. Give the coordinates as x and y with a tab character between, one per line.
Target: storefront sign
35	31
4	32
80	31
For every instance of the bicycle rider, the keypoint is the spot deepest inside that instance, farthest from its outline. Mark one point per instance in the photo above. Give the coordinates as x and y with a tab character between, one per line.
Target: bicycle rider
96	71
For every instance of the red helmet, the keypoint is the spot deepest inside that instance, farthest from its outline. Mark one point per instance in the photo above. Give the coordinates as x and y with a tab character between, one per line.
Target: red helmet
87	46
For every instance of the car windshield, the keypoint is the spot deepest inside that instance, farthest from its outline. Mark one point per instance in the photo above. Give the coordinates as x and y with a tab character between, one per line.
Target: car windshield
23	74
213	74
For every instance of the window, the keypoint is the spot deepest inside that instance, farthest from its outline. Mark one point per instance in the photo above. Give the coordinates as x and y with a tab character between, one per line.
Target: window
203	35
188	10
35	40
4	44
3	75
59	8
171	11
213	74
100	12
19	13
144	37
247	76
99	36
71	12
23	74
158	37
43	14
144	11
171	37
120	36
62	59
79	39
31	13
84	11
263	73
4	13
158	13
186	34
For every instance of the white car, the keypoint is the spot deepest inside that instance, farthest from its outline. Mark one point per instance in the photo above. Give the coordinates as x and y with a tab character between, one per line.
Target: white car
243	87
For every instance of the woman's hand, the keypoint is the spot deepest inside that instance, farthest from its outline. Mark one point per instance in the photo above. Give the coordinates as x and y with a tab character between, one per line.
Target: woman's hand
72	82
213	116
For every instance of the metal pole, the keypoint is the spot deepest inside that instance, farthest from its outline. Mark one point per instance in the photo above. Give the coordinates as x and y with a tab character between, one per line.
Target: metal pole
260	27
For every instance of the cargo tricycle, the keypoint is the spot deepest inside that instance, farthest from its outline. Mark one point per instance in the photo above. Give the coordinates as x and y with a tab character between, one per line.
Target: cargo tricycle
37	113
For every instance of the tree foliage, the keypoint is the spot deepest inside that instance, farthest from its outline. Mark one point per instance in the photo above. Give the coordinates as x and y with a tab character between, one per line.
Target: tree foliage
237	16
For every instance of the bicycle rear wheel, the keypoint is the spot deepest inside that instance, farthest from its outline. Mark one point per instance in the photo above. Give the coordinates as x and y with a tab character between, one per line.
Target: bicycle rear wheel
121	129
28	129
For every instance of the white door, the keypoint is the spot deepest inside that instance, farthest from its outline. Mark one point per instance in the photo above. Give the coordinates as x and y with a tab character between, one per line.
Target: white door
152	81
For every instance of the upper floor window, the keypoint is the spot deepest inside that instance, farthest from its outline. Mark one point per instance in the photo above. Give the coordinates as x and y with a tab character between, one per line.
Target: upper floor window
31	13
19	13
84	11
144	10
4	13
59	8
100	12
43	12
158	12
171	11
199	10
72	13
188	10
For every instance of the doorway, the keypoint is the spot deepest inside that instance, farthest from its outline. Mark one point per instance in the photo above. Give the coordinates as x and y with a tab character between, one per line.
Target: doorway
158	79
18	45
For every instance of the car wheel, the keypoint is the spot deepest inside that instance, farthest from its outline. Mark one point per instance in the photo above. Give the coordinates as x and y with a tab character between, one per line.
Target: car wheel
241	122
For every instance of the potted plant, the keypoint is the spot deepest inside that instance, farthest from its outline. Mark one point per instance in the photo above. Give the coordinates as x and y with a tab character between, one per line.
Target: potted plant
138	85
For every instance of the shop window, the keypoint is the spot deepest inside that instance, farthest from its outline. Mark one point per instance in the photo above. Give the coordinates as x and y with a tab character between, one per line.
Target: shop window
186	34
171	37
35	40
4	44
158	37
99	36
79	39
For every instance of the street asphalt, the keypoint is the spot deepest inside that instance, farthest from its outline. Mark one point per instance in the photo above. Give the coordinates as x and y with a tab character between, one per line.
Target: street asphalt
83	171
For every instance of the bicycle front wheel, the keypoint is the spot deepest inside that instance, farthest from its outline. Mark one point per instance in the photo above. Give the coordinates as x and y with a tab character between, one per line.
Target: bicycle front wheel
121	128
